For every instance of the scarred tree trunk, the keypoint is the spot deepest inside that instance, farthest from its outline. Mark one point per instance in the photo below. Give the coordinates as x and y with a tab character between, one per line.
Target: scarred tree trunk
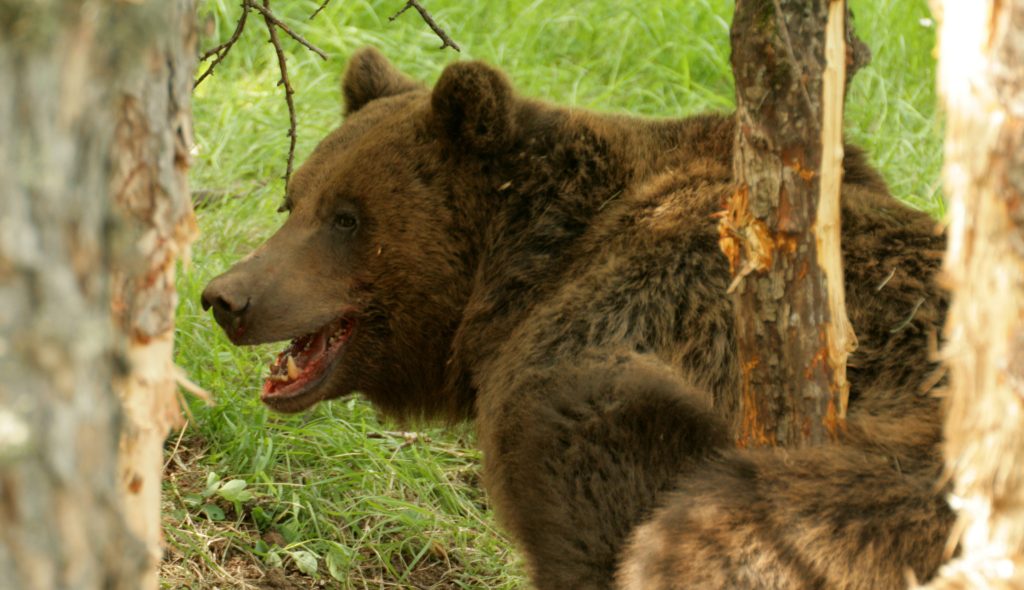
781	228
93	212
150	187
981	78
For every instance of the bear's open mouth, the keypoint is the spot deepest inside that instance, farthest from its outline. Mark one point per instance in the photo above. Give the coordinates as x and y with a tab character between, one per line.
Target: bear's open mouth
303	364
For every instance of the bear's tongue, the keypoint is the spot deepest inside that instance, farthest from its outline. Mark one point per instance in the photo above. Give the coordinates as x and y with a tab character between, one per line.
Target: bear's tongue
306	359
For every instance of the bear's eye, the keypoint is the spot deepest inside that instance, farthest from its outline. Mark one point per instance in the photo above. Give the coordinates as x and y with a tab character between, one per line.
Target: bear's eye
345	221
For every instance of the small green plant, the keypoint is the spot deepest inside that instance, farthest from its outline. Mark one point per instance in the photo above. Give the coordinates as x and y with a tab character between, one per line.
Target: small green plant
232	491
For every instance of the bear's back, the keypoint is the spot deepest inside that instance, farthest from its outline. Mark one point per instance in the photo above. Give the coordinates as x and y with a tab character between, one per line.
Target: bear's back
652	278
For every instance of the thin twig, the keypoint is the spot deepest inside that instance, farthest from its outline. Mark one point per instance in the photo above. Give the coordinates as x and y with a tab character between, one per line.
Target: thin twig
323	5
221	51
446	41
231	41
282	64
181	378
910	318
177	445
271	19
273	23
885	282
408	437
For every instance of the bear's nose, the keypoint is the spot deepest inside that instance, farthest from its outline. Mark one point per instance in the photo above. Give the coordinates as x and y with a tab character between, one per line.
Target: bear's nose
221	302
229	306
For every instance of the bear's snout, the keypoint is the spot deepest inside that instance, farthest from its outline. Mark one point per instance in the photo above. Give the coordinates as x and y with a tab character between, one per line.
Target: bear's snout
230	305
283	290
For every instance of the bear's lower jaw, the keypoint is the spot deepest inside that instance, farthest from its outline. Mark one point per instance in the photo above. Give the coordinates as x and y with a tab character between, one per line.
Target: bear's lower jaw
299	370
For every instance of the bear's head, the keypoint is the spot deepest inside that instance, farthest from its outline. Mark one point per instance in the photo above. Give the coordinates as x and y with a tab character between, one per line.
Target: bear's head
369	274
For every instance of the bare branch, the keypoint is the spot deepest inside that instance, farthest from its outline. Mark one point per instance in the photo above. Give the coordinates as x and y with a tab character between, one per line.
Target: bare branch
273	23
322	6
446	41
272	19
282	64
221	51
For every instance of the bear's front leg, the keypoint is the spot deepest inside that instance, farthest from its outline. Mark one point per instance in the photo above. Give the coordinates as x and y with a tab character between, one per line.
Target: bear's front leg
575	456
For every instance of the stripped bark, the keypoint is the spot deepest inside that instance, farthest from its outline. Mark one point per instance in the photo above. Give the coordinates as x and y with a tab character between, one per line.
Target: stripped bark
93	211
149	184
981	79
781	227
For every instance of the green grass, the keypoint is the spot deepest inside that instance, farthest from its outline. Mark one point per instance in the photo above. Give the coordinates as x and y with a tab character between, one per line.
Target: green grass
336	492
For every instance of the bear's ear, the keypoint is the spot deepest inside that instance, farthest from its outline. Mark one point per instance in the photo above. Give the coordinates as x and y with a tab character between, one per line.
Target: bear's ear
473	105
371	76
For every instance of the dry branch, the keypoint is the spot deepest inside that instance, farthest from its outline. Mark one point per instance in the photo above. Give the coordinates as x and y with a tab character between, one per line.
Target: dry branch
446	41
282	64
273	23
319	9
221	51
839	331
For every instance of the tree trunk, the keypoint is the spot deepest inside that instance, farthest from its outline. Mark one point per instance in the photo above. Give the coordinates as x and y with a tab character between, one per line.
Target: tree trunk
781	228
981	78
93	211
150	160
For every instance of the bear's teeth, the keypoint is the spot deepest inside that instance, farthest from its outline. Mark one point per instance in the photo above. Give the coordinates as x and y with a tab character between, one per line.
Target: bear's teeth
293	369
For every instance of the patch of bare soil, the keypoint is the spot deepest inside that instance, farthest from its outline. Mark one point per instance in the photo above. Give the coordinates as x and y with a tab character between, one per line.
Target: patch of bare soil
277	579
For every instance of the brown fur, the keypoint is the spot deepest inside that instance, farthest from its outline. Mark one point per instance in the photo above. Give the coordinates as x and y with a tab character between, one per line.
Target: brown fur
554	275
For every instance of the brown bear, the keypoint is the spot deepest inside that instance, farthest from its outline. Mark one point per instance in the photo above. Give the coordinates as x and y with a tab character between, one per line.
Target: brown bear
554	276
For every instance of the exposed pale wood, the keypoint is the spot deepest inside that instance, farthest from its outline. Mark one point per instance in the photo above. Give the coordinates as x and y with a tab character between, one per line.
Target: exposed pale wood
840	335
981	80
792	331
150	187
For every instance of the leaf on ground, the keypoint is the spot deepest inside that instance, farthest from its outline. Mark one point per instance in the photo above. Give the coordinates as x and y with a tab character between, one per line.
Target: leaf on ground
305	561
234	491
213	512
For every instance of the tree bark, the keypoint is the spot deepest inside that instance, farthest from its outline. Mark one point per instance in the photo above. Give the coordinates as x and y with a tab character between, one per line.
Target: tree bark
781	227
150	158
93	211
981	79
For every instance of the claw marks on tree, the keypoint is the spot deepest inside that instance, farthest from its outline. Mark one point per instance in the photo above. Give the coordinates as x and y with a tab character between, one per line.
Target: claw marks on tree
776	270
792	332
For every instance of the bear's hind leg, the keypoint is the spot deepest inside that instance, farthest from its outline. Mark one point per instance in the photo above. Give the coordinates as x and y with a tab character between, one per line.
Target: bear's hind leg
829	518
574	457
